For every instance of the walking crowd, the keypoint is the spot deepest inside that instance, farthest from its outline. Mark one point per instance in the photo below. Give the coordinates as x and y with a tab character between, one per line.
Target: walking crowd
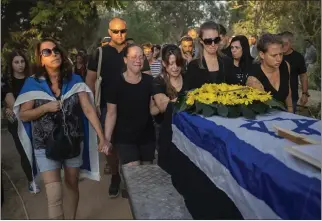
61	115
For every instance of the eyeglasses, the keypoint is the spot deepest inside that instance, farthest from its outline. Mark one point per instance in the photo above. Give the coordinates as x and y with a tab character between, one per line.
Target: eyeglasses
237	47
208	41
47	51
118	31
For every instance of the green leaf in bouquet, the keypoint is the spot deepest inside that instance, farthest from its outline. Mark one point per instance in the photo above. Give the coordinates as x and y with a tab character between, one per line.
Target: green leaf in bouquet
198	107
222	110
259	107
234	111
180	104
248	112
207	110
275	103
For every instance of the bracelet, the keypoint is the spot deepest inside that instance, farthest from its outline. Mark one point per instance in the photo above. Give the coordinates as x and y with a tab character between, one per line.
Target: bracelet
306	93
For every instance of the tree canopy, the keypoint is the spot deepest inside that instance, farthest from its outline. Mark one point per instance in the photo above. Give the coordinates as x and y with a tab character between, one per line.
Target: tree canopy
79	24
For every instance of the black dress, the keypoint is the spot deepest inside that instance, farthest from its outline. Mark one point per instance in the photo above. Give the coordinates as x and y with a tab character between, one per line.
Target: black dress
280	94
196	77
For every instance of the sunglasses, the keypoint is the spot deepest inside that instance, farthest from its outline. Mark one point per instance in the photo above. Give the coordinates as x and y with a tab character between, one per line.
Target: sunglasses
118	31
47	52
208	41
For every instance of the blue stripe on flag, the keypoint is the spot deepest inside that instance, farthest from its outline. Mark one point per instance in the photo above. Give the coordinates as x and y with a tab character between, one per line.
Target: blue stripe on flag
289	194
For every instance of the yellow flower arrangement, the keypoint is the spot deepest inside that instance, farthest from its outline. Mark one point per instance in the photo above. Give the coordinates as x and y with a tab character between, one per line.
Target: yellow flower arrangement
227	101
227	95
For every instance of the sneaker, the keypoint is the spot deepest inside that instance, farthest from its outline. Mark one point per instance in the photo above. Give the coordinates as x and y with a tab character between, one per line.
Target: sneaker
33	187
114	189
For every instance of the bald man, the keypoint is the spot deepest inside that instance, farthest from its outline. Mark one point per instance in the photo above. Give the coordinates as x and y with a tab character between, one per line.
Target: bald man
111	67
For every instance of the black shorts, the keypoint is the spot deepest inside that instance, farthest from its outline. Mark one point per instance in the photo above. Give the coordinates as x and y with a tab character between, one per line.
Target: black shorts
131	152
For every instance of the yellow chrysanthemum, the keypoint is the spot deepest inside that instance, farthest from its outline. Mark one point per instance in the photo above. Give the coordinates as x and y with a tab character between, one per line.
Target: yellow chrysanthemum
190	99
227	95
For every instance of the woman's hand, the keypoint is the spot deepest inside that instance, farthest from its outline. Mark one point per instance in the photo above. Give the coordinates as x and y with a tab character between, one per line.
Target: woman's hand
9	112
104	147
52	106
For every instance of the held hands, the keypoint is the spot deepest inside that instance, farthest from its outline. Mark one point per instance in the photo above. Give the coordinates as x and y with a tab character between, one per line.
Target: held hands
105	147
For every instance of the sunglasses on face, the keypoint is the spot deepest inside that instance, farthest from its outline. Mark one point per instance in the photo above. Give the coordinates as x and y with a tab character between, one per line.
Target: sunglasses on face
47	52
118	31
208	41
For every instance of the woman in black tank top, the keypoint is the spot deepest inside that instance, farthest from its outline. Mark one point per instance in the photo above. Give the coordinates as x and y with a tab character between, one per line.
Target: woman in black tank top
272	74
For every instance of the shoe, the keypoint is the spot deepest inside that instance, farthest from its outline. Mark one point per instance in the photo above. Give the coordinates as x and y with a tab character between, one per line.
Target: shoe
114	189
33	187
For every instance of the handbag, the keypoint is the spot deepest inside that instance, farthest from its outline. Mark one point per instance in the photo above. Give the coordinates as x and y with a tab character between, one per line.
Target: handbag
60	145
98	80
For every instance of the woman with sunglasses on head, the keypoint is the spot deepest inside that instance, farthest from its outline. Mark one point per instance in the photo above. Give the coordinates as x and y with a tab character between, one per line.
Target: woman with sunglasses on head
14	79
128	123
57	125
240	53
211	66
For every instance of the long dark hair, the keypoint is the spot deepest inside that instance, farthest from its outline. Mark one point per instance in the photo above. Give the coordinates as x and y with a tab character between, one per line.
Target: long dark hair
167	51
65	67
209	25
246	59
8	77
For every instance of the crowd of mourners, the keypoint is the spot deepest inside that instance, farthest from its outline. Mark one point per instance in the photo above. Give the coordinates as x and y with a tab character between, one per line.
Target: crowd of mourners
137	83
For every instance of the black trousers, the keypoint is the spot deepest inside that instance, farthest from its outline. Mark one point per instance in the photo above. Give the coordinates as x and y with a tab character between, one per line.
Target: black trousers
13	129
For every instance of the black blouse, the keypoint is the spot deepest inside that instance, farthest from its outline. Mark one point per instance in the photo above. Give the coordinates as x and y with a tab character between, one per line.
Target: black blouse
159	87
196	77
280	94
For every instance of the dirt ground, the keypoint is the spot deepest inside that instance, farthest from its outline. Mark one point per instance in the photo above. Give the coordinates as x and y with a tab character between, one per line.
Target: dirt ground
94	202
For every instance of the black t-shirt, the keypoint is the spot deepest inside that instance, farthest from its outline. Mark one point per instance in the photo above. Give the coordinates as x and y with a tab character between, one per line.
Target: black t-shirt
242	77
112	67
159	87
14	88
297	64
134	123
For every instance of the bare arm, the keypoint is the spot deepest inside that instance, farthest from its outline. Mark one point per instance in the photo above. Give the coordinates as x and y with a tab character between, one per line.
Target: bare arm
154	110
161	101
28	113
10	100
288	100
304	82
110	120
91	79
90	113
254	83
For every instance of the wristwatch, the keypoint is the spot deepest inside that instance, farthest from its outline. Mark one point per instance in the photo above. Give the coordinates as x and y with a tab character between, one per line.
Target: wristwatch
306	93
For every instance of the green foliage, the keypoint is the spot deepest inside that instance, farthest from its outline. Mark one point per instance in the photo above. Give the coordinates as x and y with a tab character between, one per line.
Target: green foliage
230	111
